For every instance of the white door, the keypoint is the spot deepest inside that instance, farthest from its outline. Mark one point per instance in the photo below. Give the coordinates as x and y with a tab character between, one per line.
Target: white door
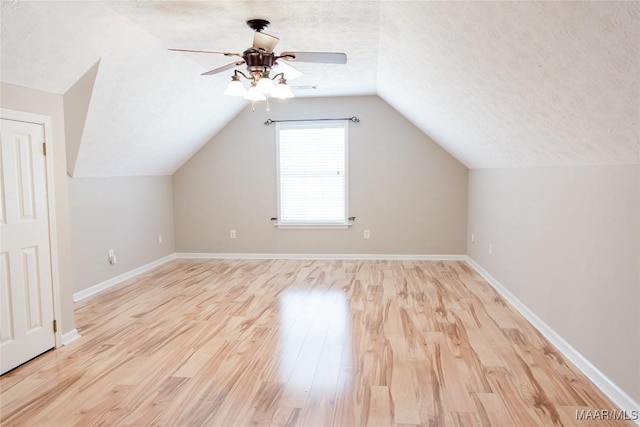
26	297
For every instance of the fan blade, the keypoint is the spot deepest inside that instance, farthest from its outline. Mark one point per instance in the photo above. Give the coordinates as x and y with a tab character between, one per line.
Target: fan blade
289	72
207	51
223	68
264	41
320	57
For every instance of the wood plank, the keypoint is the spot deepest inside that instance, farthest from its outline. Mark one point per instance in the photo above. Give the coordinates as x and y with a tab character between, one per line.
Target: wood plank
300	342
379	407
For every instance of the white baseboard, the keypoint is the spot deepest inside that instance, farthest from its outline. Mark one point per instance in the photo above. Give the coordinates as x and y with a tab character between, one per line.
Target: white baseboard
608	387
85	293
364	257
69	337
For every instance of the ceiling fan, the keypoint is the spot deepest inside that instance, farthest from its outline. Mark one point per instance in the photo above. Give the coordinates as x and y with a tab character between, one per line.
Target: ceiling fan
260	60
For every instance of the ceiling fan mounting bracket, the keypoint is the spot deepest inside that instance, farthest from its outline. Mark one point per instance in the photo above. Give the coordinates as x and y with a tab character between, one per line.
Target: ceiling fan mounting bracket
258	24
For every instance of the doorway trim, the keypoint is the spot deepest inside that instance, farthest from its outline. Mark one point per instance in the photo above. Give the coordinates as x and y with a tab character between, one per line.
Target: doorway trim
45	121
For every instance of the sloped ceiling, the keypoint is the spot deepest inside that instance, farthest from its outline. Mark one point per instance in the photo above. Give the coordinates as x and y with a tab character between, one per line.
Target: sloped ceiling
513	84
497	84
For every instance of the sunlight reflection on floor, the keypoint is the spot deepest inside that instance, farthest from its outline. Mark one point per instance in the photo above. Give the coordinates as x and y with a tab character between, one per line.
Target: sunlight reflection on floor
314	340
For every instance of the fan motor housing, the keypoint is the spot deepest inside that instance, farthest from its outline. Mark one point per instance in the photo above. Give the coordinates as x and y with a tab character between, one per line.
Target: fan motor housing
257	60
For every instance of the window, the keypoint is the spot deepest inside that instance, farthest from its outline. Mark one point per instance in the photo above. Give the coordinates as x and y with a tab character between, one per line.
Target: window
312	173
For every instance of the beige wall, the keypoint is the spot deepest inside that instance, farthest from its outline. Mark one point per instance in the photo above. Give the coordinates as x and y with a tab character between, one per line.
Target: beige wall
566	242
407	190
126	214
34	101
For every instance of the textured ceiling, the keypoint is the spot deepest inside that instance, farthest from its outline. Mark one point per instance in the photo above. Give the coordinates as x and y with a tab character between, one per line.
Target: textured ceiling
513	84
502	84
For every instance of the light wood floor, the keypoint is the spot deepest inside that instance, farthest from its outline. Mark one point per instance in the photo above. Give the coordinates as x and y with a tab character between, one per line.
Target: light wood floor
307	343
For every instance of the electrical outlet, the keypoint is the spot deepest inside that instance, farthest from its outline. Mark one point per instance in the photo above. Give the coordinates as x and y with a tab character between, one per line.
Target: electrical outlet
232	234
473	237
112	257
490	248
159	239
367	234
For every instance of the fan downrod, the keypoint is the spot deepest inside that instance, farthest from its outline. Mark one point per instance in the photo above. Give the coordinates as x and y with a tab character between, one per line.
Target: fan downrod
258	24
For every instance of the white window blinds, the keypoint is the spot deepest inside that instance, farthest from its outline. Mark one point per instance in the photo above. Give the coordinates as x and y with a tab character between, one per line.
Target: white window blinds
312	173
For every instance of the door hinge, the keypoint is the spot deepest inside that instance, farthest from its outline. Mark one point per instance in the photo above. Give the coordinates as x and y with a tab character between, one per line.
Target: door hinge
44	148
55	326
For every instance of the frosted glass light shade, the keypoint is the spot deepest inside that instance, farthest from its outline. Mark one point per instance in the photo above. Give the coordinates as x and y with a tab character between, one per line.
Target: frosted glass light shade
235	88
282	90
265	85
253	94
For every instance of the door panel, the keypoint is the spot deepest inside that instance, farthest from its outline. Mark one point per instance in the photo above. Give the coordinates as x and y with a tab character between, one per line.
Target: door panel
26	322
7	331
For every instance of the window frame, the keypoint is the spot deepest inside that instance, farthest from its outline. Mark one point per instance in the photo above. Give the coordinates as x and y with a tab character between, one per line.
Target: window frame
313	125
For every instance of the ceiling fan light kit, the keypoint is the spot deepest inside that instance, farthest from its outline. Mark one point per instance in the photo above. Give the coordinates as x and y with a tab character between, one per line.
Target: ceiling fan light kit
235	88
254	94
265	85
259	60
282	90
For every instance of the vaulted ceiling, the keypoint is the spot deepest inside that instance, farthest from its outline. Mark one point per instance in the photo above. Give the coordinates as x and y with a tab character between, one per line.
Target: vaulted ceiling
497	84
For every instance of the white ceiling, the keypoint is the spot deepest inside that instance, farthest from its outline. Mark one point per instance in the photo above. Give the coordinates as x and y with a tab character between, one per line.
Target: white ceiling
497	84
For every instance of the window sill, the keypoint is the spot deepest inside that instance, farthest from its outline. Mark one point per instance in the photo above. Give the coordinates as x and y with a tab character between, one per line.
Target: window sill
313	226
